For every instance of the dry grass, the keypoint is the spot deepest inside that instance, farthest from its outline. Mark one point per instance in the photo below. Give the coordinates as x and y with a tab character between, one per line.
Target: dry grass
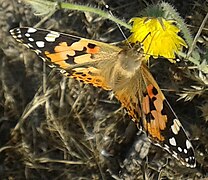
56	128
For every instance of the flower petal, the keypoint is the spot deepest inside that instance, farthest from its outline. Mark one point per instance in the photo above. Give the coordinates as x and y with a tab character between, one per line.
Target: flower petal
158	36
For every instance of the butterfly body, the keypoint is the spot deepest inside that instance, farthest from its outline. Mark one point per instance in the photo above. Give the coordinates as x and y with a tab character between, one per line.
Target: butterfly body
122	70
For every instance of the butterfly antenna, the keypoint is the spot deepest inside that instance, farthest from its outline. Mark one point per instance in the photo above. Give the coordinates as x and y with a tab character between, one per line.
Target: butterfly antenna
145	37
119	27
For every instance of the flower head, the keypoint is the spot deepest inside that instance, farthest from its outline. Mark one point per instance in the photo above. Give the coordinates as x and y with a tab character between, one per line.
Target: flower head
158	36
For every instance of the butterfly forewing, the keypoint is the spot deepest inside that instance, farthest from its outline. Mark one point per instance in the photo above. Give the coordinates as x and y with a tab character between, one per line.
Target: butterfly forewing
117	69
144	101
76	57
162	124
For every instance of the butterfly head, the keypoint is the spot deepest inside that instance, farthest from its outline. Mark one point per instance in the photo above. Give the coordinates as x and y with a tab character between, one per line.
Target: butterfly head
130	59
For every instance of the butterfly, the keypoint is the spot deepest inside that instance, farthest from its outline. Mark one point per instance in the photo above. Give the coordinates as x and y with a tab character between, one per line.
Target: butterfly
121	70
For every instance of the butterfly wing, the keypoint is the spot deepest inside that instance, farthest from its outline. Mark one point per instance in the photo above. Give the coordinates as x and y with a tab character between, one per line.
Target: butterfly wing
144	100
160	121
76	57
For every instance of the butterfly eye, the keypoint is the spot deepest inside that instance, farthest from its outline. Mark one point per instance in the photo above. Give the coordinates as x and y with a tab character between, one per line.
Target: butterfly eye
139	49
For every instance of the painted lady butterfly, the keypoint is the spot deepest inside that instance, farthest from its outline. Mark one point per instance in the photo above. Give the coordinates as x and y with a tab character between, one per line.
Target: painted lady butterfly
121	70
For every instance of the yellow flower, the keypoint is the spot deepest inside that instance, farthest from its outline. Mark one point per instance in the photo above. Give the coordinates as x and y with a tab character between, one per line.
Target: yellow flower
158	36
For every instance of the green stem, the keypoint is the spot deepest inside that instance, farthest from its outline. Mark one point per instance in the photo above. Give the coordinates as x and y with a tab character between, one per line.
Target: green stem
94	10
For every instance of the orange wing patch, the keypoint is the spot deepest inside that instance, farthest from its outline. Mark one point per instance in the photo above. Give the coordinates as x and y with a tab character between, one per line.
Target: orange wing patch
152	106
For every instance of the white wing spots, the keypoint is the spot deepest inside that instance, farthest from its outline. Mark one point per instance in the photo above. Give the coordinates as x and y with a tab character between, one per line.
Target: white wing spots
37	51
175	153
19	36
192	159
29	45
15	37
31	30
12	32
180	149
17	31
50	65
185	151
26	45
62	71
19	40
15	34
27	35
44	60
172	141
31	39
176	126
40	44
188	144
166	146
51	37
